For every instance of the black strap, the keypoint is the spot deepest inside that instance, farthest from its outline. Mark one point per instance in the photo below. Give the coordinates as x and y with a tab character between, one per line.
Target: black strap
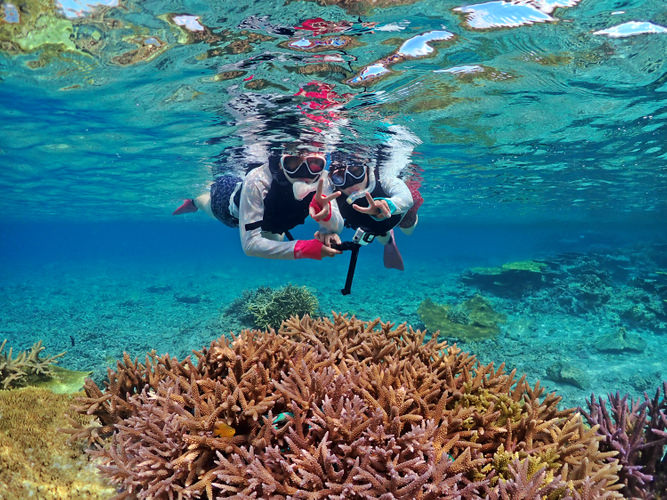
253	225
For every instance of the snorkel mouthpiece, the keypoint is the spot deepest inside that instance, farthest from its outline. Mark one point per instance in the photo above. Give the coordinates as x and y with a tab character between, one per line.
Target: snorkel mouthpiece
302	189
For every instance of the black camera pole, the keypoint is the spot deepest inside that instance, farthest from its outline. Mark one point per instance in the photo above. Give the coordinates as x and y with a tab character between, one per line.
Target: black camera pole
350	269
354	249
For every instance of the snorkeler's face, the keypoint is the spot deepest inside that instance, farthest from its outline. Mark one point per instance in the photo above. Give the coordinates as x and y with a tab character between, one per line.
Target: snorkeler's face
354	188
345	175
306	167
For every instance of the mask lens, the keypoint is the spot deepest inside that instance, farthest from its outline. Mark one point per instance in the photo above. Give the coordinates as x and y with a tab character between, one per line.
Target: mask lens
291	163
356	171
315	164
338	177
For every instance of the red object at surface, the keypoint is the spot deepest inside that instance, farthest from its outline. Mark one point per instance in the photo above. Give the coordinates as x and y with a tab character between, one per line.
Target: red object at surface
319	26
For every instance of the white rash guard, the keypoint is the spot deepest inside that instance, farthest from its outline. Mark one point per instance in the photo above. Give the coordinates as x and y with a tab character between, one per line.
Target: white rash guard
258	243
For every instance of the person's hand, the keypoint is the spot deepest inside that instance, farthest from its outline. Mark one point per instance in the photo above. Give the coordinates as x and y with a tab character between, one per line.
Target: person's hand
328	239
313	249
328	251
320	205
377	208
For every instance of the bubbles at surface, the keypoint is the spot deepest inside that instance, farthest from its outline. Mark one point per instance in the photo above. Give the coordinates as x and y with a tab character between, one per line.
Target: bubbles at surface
79	8
631	28
473	82
499	14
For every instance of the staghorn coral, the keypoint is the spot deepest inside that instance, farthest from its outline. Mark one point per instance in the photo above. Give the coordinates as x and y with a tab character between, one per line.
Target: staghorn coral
26	368
637	431
338	409
265	307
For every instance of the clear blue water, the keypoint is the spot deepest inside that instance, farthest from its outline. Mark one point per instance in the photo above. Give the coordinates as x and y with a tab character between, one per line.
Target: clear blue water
538	141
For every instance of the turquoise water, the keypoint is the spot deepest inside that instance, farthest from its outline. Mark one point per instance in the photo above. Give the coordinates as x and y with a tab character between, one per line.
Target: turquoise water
542	130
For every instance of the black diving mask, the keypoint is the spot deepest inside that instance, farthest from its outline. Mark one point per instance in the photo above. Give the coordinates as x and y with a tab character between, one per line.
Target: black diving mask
302	167
344	175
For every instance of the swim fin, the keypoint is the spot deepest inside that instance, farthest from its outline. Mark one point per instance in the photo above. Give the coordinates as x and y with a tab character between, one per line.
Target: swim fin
392	257
187	207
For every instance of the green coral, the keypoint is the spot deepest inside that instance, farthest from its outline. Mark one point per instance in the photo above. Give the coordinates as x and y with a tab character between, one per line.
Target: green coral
510	279
266	308
472	320
485	400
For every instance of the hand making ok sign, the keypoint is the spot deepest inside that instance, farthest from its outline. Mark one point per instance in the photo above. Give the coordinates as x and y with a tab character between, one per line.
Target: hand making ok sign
320	205
376	208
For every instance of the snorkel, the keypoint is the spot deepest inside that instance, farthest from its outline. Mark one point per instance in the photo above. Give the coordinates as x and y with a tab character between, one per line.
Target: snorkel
352	197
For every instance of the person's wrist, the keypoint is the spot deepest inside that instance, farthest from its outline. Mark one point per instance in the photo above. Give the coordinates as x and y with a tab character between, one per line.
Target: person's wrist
308	249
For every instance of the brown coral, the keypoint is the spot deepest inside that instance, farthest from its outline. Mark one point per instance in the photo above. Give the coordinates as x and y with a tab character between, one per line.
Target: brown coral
26	367
339	409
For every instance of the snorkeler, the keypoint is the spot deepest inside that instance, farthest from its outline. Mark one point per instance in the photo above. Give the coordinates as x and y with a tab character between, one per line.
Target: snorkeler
375	200
272	199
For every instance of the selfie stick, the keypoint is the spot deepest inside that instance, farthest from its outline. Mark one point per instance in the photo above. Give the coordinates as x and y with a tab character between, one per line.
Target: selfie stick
354	248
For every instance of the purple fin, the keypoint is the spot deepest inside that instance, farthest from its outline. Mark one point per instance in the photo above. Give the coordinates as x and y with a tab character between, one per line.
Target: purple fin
392	257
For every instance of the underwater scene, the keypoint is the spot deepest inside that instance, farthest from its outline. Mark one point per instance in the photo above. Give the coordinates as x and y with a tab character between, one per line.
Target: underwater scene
336	249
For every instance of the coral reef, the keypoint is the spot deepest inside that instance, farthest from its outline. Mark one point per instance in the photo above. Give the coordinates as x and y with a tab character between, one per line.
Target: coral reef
472	320
637	431
620	341
338	408
26	368
265	307
35	459
512	279
565	372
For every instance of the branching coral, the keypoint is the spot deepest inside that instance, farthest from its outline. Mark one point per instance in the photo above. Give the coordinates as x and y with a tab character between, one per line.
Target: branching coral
27	366
637	431
265	307
338	409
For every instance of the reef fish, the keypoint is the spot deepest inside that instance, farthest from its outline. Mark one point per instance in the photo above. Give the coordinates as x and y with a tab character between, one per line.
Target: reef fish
221	429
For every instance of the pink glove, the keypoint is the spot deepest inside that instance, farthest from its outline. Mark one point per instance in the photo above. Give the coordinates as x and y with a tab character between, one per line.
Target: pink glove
315	205
308	249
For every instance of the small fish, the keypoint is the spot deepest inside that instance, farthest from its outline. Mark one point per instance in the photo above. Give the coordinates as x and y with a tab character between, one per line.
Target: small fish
71	339
221	429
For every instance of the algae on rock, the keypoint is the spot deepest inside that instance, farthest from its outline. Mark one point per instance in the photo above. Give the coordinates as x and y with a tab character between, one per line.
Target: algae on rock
510	279
472	320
